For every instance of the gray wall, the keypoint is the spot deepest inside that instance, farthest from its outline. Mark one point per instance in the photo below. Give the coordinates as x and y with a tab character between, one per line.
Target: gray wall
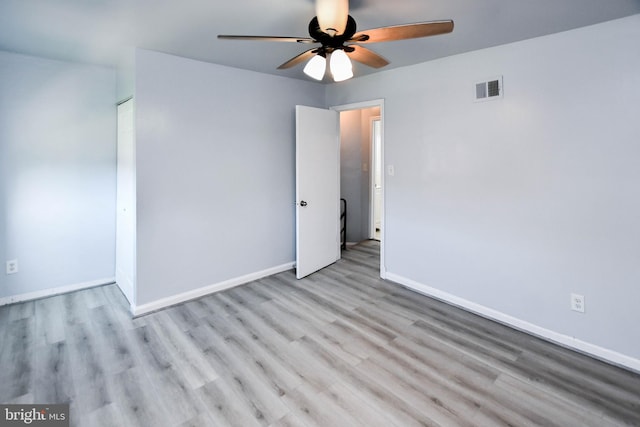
215	172
351	174
511	205
57	166
125	81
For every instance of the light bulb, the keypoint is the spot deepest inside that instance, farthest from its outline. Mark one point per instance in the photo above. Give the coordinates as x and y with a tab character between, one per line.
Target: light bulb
316	67
332	15
340	65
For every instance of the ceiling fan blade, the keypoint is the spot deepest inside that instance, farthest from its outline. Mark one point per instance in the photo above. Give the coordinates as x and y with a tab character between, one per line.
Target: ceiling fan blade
308	54
269	38
402	32
332	15
367	57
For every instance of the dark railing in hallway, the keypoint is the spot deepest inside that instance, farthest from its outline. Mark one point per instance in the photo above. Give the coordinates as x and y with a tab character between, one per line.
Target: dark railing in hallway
343	224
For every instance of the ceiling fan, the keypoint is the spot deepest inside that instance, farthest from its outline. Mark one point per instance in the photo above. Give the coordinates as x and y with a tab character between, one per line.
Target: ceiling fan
335	30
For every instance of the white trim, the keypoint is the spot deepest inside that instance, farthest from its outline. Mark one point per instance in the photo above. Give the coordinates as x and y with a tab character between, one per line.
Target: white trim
372	177
197	293
360	105
45	293
593	350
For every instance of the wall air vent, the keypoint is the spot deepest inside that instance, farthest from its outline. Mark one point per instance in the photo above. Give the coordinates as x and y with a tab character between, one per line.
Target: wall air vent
488	89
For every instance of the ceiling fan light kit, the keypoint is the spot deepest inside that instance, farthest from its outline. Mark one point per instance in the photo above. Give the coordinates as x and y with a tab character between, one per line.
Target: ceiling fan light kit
340	65
335	30
316	67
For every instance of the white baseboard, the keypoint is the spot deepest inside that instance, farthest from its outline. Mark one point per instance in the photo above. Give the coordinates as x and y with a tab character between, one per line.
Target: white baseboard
197	293
593	350
29	296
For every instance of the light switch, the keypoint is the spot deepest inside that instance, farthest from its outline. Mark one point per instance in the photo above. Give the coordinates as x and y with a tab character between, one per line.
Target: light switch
391	171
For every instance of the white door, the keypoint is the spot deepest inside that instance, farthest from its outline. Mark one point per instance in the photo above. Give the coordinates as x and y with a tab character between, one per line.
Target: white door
317	189
125	203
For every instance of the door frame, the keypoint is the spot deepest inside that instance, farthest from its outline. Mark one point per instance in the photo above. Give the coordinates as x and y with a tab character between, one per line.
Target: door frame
360	106
372	177
125	279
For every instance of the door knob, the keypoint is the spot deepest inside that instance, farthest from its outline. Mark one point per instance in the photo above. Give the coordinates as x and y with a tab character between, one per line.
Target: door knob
303	203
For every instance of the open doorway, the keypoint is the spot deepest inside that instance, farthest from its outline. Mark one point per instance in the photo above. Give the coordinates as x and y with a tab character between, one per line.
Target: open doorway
361	177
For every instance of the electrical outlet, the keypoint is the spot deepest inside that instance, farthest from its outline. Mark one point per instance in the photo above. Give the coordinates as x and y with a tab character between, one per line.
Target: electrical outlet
577	303
12	266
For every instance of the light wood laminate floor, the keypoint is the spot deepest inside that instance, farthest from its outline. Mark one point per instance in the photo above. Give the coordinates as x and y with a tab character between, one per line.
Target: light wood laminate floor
339	348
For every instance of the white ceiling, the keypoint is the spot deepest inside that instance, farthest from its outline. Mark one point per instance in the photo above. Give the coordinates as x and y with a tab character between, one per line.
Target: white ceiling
96	31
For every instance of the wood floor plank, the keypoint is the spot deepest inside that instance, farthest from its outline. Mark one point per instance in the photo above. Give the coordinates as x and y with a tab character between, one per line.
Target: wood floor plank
290	420
199	421
183	317
401	412
172	392
114	300
135	399
612	381
52	376
252	354
21	310
185	355
248	296
290	325
458	390
320	285
353	340
170	386
358	406
88	373
50	326
341	347
256	288
281	287
261	394
17	357
106	416
151	349
272	319
284	295
359	322
310	405
198	307
111	340
281	349
226	408
543	408
324	332
579	389
428	400
218	305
